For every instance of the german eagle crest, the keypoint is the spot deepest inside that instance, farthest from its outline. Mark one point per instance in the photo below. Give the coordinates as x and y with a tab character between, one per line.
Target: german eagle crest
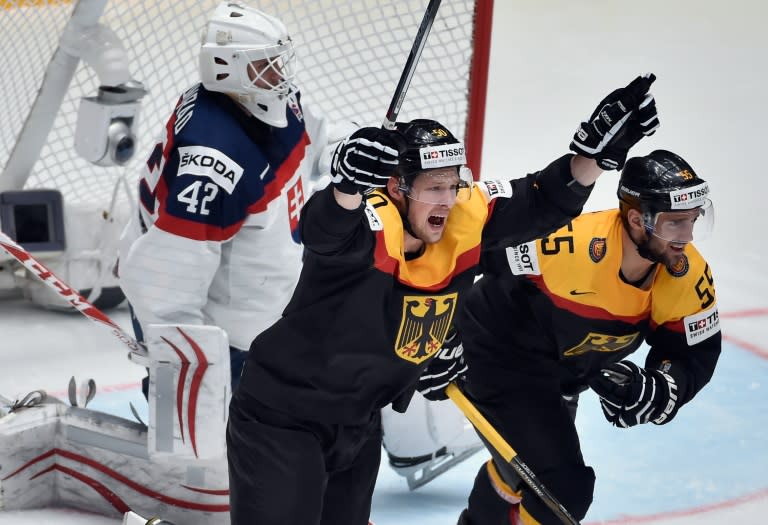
424	325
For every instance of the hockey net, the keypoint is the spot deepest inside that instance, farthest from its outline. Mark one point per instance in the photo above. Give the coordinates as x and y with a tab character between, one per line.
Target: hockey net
350	53
350	57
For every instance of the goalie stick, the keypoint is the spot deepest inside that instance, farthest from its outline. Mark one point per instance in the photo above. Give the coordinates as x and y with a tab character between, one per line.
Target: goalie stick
508	453
78	302
410	64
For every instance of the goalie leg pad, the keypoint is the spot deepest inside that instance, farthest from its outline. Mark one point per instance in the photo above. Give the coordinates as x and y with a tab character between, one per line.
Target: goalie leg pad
425	428
428	439
189	390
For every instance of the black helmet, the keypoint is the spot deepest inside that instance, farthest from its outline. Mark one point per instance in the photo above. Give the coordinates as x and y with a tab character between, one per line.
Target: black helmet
660	181
427	144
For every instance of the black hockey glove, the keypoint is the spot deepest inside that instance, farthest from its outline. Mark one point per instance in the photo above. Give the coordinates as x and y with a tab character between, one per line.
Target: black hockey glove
447	366
630	395
365	160
618	123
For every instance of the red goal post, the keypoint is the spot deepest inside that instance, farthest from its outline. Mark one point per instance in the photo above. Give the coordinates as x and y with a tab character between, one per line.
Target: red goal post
350	54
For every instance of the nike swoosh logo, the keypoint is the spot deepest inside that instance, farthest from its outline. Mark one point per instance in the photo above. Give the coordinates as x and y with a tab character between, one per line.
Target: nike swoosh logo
576	292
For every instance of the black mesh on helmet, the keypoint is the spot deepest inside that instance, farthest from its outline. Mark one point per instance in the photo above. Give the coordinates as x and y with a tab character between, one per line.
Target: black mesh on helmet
646	182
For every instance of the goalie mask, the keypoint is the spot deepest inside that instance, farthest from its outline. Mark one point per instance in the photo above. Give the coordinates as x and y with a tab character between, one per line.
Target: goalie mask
248	55
673	200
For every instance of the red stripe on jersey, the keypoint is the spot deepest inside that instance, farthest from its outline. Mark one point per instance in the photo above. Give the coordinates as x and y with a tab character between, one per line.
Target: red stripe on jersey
295	203
674	326
583	310
284	173
170	133
168	146
197	231
381	258
491	206
464	262
388	264
467	260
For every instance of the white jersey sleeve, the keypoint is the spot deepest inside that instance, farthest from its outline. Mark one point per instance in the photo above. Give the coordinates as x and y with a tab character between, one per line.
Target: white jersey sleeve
166	277
325	135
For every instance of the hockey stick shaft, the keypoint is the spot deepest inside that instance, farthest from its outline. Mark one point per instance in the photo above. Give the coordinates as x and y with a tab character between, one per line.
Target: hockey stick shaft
410	64
70	295
508	453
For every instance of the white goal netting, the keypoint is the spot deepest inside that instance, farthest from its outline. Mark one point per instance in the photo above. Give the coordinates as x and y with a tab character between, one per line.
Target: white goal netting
350	57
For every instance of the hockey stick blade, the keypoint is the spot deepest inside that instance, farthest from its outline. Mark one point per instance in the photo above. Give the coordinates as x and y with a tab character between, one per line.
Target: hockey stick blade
508	453
138	353
410	65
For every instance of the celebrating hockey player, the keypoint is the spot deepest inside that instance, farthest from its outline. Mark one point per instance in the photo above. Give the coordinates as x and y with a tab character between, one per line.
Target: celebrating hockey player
552	317
391	247
217	241
432	435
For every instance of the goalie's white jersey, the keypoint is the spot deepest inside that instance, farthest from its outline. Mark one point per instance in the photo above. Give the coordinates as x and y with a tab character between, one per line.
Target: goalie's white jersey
217	239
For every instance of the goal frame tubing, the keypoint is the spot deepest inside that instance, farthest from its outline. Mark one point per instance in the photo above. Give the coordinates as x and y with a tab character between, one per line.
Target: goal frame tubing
478	84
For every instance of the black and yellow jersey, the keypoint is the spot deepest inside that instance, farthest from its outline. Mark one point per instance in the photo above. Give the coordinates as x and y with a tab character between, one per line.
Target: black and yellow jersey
562	299
364	319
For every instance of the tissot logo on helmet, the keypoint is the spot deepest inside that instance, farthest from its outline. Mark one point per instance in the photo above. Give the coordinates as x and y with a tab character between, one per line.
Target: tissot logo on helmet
661	182
429	145
444	155
687	198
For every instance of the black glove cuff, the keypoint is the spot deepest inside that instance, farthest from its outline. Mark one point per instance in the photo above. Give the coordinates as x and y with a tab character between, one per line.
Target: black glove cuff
557	182
346	186
577	150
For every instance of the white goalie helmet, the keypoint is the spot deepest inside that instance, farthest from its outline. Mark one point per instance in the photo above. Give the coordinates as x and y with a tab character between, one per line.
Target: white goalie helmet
249	55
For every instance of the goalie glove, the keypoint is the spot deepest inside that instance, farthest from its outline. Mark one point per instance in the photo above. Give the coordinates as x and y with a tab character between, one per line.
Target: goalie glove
365	160
618	123
447	366
630	395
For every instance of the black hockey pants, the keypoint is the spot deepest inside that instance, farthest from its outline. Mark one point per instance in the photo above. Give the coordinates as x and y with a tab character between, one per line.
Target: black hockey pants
283	470
528	410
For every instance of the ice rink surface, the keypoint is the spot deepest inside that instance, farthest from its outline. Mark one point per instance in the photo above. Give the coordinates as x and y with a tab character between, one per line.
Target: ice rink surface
551	62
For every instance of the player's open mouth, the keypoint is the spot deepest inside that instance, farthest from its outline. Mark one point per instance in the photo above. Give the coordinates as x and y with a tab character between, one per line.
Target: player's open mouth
436	221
